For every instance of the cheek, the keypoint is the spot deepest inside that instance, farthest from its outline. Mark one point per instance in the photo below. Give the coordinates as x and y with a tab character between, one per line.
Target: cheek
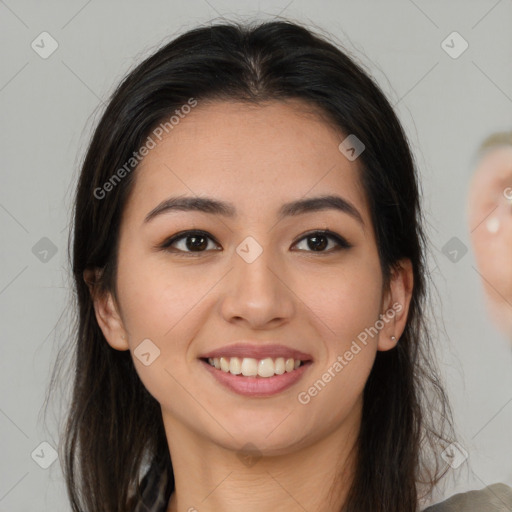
347	306
164	310
349	299
346	298
498	269
492	255
492	250
156	296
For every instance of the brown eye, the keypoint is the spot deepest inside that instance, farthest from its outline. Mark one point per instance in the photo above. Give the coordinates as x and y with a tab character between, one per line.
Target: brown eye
317	241
188	242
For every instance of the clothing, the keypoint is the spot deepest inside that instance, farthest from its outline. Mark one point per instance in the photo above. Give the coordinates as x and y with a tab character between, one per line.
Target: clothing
493	498
156	492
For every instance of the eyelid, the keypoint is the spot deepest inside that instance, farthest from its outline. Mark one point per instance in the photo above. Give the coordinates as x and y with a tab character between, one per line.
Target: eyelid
165	245
340	241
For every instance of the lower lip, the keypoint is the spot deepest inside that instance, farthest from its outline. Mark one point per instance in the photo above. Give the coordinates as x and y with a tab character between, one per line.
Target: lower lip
257	386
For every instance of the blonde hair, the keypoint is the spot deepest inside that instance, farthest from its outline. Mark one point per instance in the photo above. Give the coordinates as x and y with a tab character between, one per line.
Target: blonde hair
491	142
496	139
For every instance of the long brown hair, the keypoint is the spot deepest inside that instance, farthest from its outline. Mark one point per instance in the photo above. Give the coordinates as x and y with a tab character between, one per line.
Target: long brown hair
114	427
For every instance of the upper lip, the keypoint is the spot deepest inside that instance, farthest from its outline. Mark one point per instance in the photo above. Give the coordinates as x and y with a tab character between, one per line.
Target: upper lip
257	352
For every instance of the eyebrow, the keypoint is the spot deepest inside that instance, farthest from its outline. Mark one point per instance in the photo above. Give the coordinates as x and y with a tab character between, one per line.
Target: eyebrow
216	207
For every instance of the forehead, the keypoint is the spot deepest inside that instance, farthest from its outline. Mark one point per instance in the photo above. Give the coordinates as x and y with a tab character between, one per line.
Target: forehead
255	156
494	167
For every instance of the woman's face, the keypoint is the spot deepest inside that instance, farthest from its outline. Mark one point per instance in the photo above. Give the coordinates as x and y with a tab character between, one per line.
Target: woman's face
252	277
490	221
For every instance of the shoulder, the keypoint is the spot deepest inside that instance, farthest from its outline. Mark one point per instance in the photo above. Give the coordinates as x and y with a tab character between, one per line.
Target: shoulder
493	498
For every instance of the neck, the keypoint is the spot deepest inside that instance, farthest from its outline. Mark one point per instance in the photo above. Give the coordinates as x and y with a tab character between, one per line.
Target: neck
208	477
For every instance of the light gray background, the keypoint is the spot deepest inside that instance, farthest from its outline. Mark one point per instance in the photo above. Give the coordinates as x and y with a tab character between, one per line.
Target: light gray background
49	106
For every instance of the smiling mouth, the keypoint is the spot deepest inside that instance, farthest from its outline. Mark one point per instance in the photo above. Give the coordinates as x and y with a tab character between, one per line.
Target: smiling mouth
251	367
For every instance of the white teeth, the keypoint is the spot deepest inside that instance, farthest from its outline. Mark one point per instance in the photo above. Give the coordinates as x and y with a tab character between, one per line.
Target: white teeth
224	364
266	367
279	366
250	367
235	366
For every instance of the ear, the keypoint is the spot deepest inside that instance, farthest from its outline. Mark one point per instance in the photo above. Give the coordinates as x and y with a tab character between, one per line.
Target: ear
107	313
395	305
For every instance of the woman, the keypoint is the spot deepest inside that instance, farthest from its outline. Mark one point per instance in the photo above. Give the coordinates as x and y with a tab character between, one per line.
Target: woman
489	213
224	356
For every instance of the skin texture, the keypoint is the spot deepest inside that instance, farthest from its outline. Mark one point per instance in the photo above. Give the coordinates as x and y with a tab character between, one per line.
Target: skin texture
256	157
490	219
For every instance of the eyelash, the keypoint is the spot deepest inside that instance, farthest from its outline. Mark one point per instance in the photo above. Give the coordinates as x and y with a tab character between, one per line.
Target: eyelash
166	245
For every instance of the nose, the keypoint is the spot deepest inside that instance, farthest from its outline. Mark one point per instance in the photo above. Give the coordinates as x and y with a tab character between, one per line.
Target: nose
258	292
